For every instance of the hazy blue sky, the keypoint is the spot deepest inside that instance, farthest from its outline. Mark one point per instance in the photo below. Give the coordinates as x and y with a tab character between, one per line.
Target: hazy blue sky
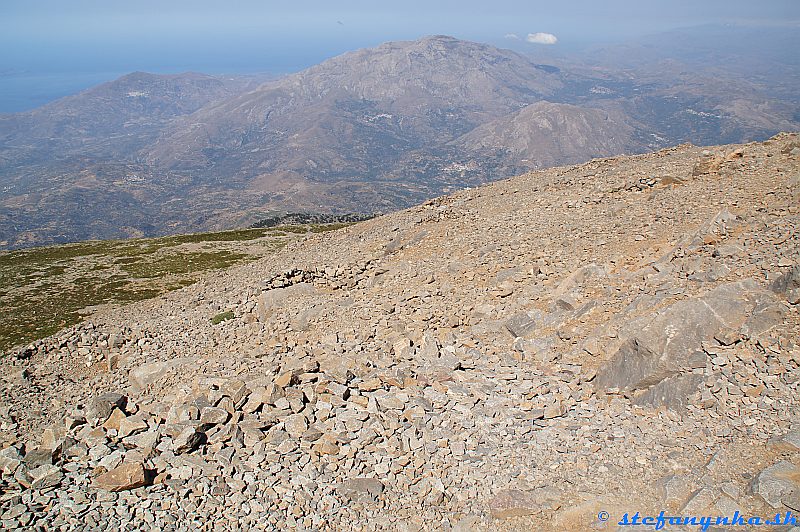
88	39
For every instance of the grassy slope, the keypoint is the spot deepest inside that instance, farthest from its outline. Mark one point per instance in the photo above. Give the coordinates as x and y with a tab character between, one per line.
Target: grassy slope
43	290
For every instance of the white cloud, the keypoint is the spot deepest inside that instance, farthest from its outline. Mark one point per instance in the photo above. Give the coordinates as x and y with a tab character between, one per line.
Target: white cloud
512	36
542	38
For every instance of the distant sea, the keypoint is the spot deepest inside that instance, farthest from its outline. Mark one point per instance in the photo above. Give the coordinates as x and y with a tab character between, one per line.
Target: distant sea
21	91
40	76
24	86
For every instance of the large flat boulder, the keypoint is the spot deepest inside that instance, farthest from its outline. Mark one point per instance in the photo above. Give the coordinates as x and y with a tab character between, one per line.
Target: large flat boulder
271	300
361	489
146	374
509	503
125	477
779	480
672	392
650	363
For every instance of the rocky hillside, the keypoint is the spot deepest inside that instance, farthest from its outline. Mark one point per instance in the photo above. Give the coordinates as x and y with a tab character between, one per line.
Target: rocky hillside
546	134
617	336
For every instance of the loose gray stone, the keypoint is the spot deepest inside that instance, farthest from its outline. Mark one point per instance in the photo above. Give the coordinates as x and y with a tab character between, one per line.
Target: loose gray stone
188	440
10	459
788	285
296	425
213	415
361	489
38	456
520	325
46	476
131	425
125	477
101	406
148	373
674	490
235	389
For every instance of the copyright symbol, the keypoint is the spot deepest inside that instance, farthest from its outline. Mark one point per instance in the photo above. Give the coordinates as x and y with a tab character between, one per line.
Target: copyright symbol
602	516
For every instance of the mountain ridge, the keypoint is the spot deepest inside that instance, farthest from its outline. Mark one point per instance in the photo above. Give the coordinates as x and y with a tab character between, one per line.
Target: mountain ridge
371	130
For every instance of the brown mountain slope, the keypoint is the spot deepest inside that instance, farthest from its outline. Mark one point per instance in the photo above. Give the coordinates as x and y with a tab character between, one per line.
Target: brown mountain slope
111	120
545	134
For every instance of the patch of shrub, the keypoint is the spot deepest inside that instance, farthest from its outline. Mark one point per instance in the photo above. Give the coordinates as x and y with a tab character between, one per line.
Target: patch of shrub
222	316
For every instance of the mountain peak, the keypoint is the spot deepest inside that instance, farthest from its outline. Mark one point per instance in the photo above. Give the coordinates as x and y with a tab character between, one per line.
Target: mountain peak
441	38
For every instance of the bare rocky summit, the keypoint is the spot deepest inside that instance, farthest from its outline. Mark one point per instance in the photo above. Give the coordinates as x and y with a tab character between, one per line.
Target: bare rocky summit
616	336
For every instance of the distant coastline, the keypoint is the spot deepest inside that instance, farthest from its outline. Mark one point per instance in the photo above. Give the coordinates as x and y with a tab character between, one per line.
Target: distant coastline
23	91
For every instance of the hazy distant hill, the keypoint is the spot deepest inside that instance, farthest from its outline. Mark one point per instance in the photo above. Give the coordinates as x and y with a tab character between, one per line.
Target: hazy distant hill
370	130
112	119
545	134
68	169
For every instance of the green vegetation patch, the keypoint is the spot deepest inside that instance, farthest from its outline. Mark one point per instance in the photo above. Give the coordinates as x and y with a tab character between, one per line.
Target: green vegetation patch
307	218
55	306
222	316
239	235
322	228
183	263
44	290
